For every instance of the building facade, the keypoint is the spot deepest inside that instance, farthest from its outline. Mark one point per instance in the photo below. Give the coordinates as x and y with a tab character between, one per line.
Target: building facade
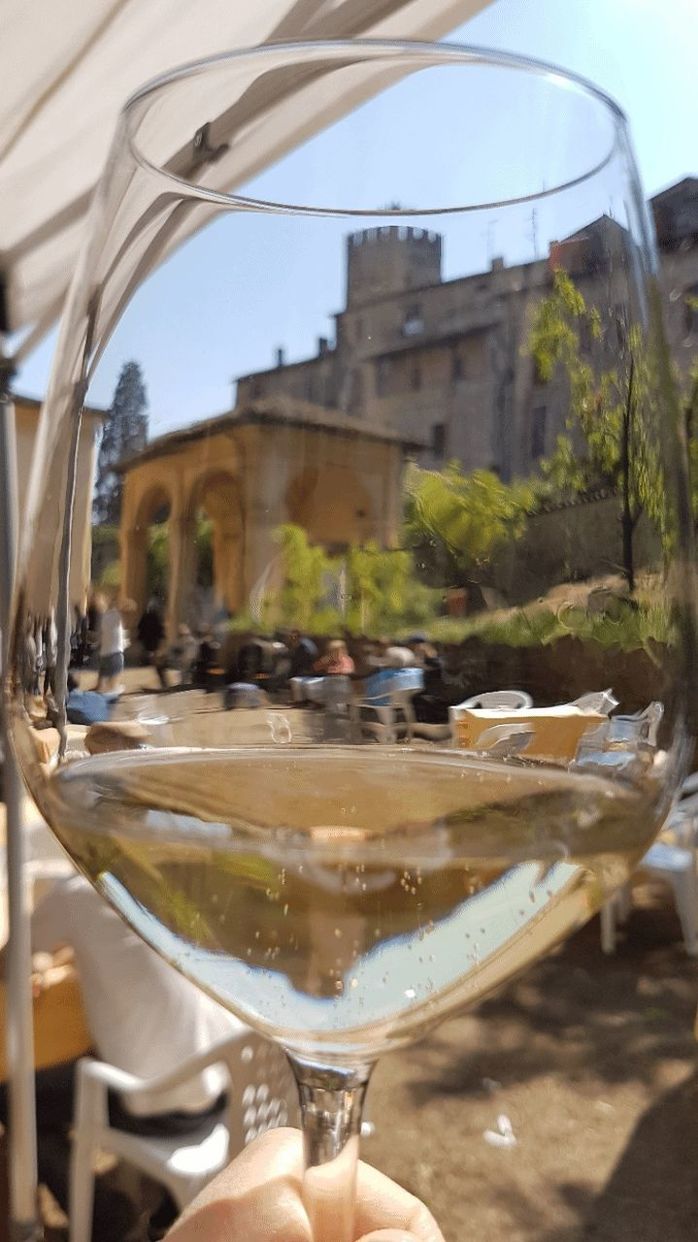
250	471
441	361
27	412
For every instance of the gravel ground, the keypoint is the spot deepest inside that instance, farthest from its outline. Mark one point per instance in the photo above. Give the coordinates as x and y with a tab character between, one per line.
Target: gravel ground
594	1062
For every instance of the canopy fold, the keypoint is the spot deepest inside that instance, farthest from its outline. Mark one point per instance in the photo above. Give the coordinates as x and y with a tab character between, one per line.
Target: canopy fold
67	69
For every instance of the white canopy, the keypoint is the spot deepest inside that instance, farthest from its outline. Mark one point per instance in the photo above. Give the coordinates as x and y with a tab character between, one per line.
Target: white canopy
67	68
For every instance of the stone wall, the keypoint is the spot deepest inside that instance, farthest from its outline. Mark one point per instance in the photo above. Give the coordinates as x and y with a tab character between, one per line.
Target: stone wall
561	671
570	544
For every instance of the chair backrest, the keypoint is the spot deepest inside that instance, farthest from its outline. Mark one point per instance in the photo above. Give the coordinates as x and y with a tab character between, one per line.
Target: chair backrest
505	739
508	700
640	728
603	701
263	1092
383	687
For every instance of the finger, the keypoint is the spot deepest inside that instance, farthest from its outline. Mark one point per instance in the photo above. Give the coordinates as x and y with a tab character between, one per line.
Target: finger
383	1205
258	1196
328	1194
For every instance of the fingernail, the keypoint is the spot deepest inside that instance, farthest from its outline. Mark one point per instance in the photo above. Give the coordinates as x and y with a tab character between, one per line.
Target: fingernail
389	1235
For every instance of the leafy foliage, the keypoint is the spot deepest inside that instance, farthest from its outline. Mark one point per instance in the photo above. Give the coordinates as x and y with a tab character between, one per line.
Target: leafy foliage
384	591
691	416
635	628
304	568
158	559
464	518
368	590
125	433
158	556
613	417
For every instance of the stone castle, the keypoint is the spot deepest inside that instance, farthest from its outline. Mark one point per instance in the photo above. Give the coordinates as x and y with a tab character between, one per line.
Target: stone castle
423	367
441	361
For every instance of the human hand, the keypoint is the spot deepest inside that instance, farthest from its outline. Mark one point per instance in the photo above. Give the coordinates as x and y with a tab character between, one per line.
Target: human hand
258	1198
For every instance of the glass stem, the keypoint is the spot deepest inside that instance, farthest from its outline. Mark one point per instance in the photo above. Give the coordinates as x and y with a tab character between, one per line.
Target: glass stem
332	1103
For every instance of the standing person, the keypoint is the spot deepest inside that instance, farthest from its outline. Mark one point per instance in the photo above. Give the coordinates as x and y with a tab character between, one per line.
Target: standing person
50	645
151	635
96	606
112	644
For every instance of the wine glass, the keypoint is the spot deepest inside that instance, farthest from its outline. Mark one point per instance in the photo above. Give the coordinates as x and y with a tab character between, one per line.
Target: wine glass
474	483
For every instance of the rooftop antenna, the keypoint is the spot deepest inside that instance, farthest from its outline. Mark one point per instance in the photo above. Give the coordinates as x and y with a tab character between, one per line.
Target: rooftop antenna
534	232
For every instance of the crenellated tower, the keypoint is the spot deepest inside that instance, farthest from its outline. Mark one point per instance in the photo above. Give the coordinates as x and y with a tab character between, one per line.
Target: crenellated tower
391	259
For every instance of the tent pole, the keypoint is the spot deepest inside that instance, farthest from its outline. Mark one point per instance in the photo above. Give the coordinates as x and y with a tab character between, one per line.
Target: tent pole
24	1224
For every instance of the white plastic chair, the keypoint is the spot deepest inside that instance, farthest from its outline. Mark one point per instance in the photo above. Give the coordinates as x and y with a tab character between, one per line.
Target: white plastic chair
507	700
674	865
261	1095
673	862
505	740
603	701
504	700
388	715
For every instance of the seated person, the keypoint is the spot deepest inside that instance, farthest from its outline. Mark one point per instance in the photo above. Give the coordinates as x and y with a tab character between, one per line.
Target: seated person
86	707
206	658
303	653
183	654
336	662
431	704
254	661
394	675
143	1017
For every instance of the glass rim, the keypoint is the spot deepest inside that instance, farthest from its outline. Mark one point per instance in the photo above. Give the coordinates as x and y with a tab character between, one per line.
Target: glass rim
433	54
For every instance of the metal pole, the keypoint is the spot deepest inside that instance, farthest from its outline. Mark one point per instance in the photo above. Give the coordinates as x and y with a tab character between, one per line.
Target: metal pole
24	1223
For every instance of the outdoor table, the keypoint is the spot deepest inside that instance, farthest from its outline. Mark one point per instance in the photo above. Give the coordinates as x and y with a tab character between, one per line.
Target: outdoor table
557	731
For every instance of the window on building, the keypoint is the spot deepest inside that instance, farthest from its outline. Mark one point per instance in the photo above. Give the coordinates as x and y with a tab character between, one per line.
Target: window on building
256	388
413	324
538	421
476	355
457	368
415	376
438	440
382	377
691	311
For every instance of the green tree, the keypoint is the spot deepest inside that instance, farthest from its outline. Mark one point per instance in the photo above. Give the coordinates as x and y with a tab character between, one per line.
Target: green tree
611	426
305	568
158	559
385	594
125	433
463	518
204	551
380	588
158	555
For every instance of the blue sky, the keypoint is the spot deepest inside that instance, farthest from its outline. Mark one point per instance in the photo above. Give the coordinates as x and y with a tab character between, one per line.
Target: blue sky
643	52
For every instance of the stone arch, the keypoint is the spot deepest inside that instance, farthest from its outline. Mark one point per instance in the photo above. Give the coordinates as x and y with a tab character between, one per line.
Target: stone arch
155	501
216	493
332	504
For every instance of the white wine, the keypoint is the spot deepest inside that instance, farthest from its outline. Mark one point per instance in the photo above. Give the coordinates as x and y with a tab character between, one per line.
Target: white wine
341	899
